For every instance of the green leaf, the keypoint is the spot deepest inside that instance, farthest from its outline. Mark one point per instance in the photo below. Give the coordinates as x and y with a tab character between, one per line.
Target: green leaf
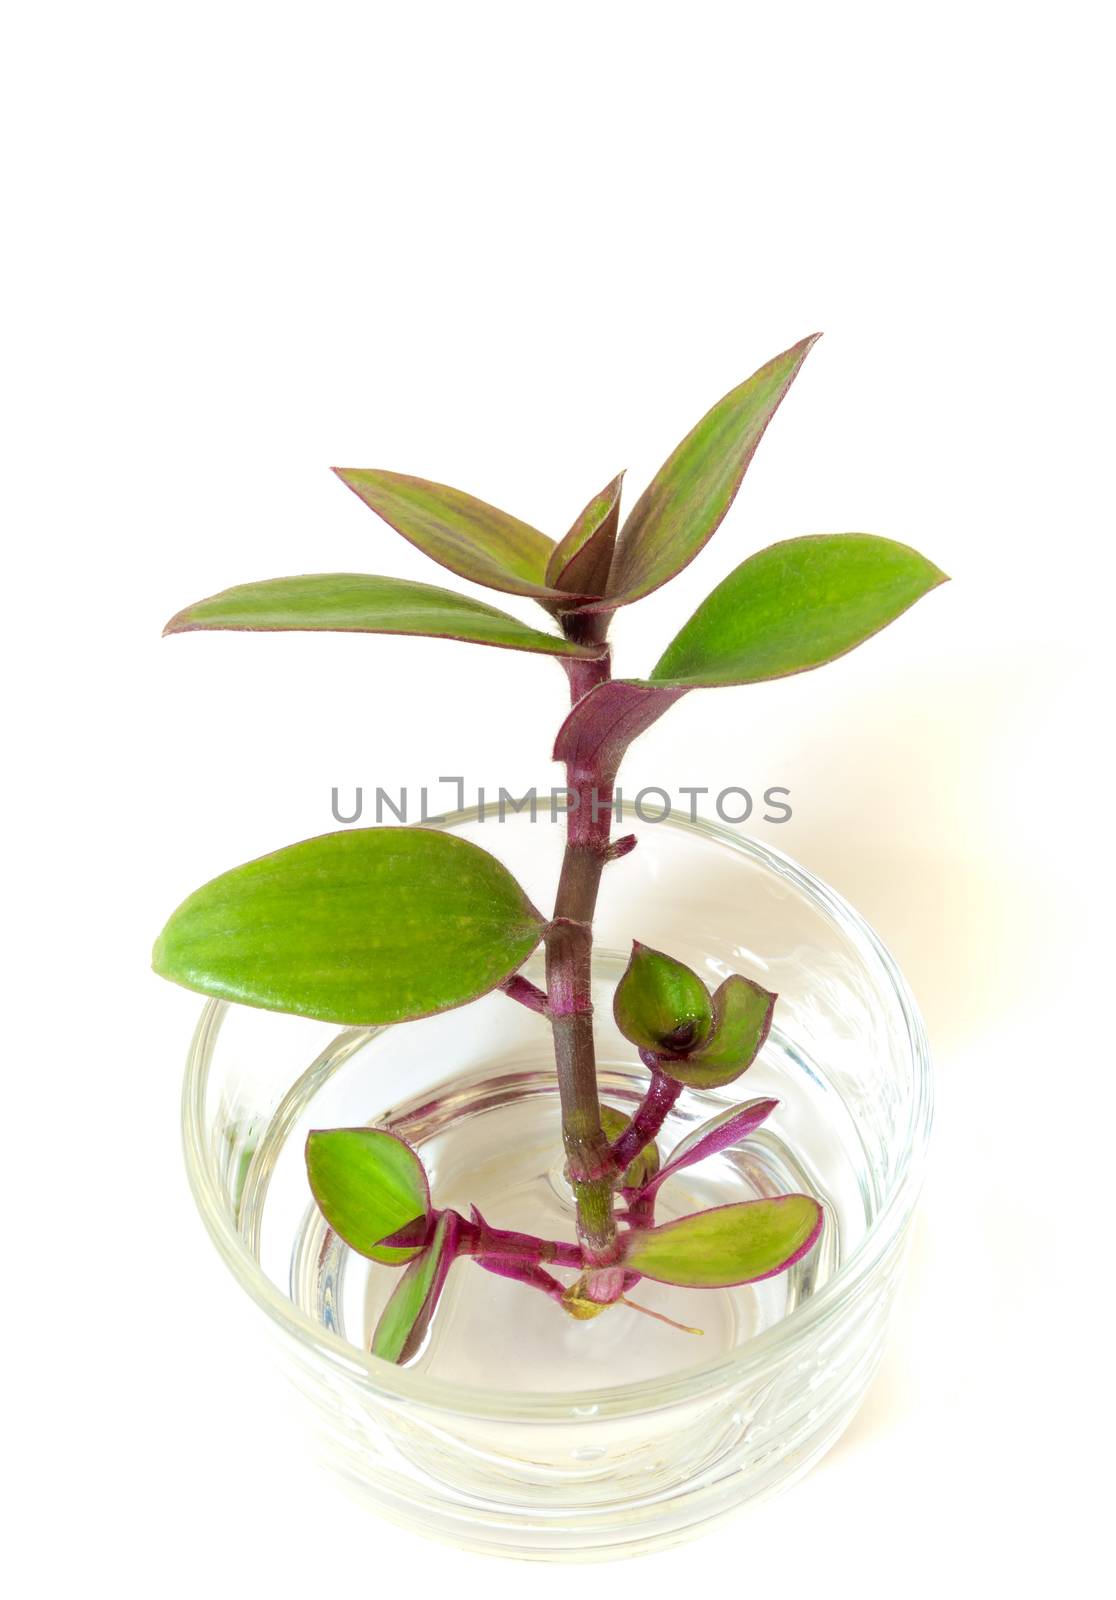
796	605
406	1317
368	1184
682	507
580	562
372	925
742	1013
728	1245
354	602
644	1167
659	1003
460	532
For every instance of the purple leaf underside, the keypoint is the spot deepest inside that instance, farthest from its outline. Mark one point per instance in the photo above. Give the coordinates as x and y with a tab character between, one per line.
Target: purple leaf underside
603	723
721	1133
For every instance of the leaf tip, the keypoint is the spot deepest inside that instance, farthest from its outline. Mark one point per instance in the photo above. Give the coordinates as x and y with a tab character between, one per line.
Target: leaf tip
933	576
811	1238
801	350
179	623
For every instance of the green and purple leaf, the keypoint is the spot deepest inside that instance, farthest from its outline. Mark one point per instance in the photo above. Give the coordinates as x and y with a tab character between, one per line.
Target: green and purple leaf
603	723
684	504
580	562
471	538
660	1004
372	925
722	1132
796	605
353	602
413	1235
370	1186
406	1317
742	1013
728	1245
792	607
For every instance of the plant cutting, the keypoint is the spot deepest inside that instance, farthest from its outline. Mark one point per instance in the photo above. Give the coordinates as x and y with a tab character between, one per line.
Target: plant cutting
379	926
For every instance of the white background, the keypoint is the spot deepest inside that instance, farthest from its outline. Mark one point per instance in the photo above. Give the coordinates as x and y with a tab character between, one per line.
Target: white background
517	248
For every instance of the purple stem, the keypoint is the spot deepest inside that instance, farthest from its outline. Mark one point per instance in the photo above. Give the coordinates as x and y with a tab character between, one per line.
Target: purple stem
732	1130
608	1284
641	1209
650	1115
728	1131
525	1272
585	673
569	950
527	993
476	1237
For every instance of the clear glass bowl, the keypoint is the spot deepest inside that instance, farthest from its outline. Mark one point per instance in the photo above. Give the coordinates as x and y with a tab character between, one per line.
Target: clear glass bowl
518	1430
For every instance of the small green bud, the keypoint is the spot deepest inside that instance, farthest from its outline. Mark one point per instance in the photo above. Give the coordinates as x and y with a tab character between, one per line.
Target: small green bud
742	1012
660	1004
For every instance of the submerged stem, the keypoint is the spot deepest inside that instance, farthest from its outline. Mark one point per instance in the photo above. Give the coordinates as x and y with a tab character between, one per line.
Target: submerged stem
525	1272
476	1237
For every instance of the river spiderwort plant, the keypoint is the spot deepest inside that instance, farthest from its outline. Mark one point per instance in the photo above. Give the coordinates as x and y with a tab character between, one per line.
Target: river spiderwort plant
381	925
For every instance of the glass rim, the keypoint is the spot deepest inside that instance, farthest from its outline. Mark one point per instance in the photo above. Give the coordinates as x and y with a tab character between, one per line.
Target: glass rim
770	1347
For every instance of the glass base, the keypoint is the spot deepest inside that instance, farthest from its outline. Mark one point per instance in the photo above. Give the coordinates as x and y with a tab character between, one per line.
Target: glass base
517	1430
492	1138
